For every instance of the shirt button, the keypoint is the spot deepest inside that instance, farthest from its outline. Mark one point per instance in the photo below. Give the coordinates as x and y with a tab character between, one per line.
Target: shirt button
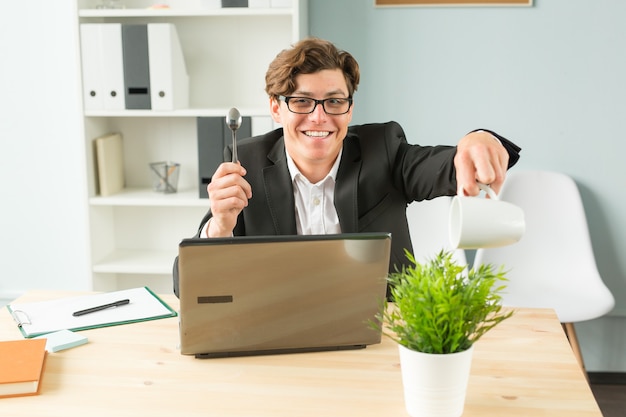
316	201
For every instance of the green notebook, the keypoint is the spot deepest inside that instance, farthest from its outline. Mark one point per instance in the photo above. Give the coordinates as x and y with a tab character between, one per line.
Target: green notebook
134	305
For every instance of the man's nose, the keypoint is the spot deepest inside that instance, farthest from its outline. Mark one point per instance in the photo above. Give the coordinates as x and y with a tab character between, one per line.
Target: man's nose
318	114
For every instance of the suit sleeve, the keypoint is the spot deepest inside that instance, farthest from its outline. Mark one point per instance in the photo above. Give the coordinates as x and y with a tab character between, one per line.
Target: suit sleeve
425	172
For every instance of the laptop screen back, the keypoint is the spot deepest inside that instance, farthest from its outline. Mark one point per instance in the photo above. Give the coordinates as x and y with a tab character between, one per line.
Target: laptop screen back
258	295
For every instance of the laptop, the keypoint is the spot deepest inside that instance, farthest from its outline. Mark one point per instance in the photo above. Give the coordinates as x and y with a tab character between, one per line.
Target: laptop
259	295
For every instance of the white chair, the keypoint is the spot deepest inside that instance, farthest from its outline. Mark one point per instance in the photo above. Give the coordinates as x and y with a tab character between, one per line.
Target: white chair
553	265
428	227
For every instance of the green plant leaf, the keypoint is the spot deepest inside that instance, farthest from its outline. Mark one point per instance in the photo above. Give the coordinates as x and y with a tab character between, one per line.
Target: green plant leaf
440	306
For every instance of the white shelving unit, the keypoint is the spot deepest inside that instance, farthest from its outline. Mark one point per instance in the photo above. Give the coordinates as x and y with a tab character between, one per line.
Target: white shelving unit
134	234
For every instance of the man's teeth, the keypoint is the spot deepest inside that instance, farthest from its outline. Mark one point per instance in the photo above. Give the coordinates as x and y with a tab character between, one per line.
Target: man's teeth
316	133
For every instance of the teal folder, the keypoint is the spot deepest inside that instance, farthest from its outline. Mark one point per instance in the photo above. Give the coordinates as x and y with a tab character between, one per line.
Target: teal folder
39	318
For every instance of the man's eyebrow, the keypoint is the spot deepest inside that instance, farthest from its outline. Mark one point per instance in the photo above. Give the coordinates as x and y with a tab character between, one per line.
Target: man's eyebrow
300	93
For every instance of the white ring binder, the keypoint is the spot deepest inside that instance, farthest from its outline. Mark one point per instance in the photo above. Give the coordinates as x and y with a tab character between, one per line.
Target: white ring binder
21	321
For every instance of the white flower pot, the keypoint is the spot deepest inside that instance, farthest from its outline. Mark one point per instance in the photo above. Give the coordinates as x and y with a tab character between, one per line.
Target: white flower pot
434	384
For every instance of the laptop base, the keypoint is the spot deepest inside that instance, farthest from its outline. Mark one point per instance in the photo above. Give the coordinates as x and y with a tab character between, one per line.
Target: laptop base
214	355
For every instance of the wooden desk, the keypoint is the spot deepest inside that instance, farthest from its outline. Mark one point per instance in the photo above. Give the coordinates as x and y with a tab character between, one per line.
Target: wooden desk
524	367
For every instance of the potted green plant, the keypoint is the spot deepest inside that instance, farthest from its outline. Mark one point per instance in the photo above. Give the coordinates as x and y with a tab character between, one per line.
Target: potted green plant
440	310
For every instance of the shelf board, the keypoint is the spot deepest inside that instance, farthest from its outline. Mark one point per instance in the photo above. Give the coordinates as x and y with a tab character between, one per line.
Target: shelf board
130	261
148	197
192	112
182	12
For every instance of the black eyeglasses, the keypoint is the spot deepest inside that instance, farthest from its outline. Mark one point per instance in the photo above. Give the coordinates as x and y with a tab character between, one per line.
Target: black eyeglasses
305	105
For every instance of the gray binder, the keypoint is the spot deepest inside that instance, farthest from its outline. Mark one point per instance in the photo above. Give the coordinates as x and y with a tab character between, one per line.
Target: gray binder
234	3
213	137
136	66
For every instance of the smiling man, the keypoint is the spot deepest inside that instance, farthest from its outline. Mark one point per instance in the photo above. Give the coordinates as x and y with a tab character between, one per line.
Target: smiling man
317	175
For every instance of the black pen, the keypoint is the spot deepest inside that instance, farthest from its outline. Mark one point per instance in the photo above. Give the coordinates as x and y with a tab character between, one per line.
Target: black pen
102	307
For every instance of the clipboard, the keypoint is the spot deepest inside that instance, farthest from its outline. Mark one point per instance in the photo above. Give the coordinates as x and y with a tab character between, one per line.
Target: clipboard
39	318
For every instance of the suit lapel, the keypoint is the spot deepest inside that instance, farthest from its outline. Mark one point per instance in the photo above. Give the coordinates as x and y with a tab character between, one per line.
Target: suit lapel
347	184
279	191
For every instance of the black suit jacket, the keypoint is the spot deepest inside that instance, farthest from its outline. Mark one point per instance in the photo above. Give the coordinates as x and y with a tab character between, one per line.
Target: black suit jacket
379	174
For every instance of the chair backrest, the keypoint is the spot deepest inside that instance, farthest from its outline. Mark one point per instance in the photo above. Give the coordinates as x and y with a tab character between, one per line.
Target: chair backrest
428	227
553	264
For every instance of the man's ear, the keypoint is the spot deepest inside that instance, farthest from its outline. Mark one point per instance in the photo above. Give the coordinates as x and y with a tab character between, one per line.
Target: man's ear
275	109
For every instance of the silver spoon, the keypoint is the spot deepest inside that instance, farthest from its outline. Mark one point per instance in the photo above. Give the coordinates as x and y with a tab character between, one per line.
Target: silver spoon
233	120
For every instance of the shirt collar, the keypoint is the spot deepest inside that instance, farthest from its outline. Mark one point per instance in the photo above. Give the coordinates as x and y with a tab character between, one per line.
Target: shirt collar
295	172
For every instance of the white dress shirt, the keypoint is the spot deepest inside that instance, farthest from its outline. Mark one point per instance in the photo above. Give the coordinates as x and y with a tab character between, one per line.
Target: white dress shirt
315	203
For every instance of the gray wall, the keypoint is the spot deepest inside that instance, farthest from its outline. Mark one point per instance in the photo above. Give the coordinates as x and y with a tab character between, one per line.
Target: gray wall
551	77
